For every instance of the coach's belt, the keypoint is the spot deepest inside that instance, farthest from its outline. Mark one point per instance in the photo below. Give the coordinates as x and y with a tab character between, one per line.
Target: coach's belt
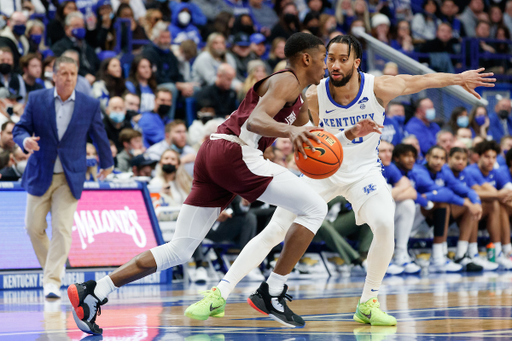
231	138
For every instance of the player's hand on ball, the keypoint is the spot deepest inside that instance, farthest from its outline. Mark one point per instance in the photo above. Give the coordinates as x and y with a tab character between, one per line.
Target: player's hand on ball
365	127
300	135
472	79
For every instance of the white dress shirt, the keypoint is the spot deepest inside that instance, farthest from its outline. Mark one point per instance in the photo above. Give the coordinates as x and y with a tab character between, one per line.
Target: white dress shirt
64	112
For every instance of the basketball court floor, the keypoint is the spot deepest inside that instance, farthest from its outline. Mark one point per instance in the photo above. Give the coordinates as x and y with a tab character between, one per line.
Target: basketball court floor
431	307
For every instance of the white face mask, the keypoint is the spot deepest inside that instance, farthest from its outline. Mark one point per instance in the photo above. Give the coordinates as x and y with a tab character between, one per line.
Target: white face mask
430	114
184	18
21	165
48	74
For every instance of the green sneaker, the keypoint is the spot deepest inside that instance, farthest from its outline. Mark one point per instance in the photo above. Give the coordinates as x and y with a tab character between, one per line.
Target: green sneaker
370	313
211	305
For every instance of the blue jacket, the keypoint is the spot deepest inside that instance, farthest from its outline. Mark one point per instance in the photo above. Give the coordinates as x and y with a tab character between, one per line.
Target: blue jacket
39	119
153	128
426	135
392	132
181	33
496	128
498	178
446	178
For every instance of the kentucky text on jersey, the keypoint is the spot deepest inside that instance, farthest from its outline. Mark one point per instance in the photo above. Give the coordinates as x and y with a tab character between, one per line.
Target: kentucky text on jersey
345	121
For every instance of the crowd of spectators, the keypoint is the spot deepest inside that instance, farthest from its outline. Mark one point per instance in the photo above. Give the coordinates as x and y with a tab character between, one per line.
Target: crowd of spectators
207	54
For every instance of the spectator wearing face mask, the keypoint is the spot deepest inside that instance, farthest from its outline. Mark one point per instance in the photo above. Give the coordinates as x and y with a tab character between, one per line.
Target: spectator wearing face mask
505	146
15	31
288	24
197	129
463	136
479	122
115	120
458	119
110	82
500	119
92	163
422	124
182	27
48	72
75	40
10	79
172	180
55	28
32	67
16	167
153	123
35	34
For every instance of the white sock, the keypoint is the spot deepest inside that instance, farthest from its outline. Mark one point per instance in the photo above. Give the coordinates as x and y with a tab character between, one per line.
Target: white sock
104	287
437	250
369	291
445	249
507	248
497	249
462	248
225	288
473	250
276	283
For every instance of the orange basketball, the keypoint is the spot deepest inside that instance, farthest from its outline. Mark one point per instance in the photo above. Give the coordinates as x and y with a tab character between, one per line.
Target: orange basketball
326	159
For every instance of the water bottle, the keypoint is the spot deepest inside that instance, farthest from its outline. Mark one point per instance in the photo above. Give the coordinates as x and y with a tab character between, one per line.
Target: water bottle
491	252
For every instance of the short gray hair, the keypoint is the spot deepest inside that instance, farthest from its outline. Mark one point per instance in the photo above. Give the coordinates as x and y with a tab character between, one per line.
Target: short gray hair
159	27
72	15
63	60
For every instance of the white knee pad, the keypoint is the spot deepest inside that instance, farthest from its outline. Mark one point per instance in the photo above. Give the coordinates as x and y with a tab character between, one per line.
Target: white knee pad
314	216
175	252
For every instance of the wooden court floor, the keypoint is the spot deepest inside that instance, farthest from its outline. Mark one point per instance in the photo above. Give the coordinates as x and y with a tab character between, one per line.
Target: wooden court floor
432	307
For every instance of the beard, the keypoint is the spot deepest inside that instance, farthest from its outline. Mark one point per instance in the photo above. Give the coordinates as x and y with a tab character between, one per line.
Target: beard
343	81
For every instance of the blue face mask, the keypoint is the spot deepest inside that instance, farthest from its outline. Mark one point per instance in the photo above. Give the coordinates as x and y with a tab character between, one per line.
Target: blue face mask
36	38
19	29
91	162
400	119
480	120
430	114
79	33
117	117
462	121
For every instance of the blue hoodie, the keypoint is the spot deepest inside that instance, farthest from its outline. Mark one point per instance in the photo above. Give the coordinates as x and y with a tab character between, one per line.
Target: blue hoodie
198	17
426	135
181	33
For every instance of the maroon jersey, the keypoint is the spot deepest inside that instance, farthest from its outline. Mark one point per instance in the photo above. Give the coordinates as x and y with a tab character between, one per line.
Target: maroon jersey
236	124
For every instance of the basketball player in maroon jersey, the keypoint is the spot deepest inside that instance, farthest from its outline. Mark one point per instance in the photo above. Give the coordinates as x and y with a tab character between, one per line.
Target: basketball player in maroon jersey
231	163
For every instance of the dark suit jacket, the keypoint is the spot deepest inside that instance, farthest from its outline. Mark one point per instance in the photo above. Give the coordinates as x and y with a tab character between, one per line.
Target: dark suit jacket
39	119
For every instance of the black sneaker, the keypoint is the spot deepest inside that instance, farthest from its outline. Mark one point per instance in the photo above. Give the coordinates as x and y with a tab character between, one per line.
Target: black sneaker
468	265
86	306
275	306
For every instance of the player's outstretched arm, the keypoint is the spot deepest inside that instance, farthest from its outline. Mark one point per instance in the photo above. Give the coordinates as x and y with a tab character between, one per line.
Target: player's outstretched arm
389	87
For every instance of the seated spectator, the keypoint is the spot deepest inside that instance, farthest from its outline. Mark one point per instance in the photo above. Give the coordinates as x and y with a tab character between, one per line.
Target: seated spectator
159	53
32	67
132	146
186	57
124	11
500	120
109	83
258	47
393	123
74	39
404	195
445	140
311	24
138	7
182	27
142	166
285	146
100	28
288	23
264	16
444	43
142	82
16	166
35	34
113	149
152	123
175	139
413	141
82	84
483	31
153	15
241	51
132	105
10	79
115	120
199	128
15	31
55	29
505	146
172	181
424	24
257	70
458	119
92	163
380	28
449	10
403	41
276	54
469	17
48	72
243	24
479	122
493	185
6	141
221	94
205	66
496	17
463	136
422	125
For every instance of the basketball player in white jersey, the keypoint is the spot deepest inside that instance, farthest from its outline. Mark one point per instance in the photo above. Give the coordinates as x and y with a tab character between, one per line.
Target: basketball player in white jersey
342	104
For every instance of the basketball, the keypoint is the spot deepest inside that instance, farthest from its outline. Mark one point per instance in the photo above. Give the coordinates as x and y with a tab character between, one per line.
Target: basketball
325	160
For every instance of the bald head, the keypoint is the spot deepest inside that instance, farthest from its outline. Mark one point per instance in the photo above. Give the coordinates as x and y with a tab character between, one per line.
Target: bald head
115	104
225	75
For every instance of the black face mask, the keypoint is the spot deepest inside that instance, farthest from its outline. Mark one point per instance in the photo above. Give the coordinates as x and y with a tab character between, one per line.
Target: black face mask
313	30
168	169
247	29
5	68
290	18
163	109
502	113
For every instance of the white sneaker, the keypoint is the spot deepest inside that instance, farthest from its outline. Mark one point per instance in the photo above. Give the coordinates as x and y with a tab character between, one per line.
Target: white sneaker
443	264
255	275
504	262
484	263
51	291
405	262
200	276
394	269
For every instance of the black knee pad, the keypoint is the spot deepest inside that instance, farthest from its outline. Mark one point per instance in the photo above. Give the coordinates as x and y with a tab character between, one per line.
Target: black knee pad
439	222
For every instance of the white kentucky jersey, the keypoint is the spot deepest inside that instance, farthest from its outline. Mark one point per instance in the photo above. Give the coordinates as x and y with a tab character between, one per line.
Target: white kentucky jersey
361	154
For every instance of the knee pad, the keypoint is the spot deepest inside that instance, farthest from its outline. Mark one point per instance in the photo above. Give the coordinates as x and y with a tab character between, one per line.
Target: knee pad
439	221
314	217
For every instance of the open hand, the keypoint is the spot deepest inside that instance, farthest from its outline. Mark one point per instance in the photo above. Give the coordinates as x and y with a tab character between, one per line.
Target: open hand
473	78
365	127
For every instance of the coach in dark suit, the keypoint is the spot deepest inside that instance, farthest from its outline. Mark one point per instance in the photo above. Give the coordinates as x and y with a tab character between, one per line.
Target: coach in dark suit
54	129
